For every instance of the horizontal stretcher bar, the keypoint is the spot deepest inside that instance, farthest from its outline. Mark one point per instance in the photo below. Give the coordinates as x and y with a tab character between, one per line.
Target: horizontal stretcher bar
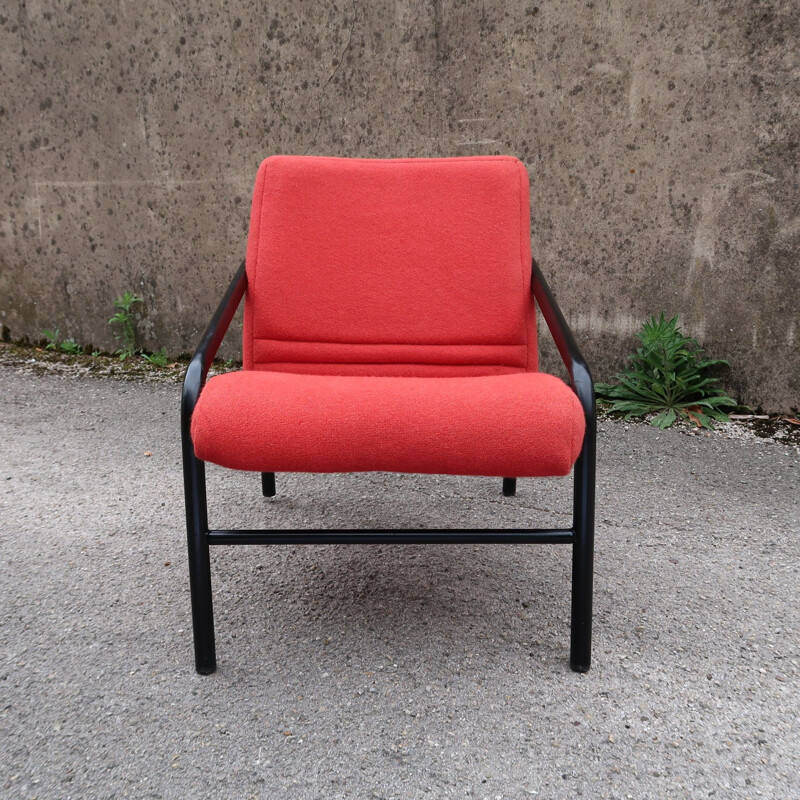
424	536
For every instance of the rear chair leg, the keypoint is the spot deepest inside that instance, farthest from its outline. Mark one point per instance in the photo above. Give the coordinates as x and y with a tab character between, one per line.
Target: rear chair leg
509	487
268	484
194	474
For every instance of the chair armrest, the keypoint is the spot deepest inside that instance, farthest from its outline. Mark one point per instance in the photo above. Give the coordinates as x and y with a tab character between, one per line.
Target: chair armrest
579	375
207	349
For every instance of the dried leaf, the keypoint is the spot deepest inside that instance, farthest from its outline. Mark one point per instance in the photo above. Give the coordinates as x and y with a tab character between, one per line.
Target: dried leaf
690	412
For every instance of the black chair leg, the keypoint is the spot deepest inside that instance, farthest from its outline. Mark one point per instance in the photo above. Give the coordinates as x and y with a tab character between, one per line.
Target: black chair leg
509	487
194	475
268	484
580	656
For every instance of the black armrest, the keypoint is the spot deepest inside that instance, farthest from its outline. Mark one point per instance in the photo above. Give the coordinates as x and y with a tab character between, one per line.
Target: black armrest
579	375
207	349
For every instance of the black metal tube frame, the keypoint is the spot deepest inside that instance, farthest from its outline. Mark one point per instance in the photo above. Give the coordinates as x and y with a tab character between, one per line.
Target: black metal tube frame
580	535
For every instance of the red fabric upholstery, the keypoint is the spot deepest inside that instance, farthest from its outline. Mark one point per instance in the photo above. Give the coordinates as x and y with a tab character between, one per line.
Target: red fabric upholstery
377	266
524	424
402	289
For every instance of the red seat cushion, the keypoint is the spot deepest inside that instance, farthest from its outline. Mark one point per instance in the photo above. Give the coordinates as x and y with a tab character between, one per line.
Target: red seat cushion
515	425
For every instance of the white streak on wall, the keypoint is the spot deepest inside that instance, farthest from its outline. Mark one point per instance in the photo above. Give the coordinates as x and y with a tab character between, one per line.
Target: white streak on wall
164	184
595	322
704	235
39	212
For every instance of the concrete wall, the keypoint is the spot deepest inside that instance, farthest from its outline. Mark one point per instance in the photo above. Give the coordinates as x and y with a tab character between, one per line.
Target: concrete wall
661	138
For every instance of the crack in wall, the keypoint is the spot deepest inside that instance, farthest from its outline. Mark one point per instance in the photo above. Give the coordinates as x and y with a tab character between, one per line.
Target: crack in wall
324	86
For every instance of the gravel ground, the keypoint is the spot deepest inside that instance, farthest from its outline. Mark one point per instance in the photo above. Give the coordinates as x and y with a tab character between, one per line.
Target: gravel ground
388	671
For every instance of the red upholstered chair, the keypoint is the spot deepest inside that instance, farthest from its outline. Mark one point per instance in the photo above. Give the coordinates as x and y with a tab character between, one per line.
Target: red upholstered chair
389	324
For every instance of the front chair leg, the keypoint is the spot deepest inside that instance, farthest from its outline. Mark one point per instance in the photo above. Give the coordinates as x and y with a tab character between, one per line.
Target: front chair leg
509	487
268	484
199	563
580	656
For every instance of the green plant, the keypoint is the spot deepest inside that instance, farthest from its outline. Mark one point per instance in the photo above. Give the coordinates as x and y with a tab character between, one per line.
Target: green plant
126	320
71	346
52	338
667	375
157	359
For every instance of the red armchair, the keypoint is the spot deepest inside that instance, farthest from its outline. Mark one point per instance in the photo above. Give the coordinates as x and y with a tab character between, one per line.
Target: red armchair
390	324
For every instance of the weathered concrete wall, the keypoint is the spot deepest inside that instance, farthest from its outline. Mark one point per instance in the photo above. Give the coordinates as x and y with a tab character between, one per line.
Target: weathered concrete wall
661	139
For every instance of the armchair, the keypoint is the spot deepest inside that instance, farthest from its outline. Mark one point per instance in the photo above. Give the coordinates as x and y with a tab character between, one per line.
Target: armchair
390	325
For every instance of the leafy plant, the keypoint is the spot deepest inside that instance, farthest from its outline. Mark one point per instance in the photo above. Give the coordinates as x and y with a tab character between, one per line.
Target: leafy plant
54	342
126	320
52	339
71	346
668	375
157	359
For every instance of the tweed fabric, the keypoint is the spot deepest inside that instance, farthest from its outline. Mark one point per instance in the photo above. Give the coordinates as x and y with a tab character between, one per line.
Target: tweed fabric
522	424
389	325
386	262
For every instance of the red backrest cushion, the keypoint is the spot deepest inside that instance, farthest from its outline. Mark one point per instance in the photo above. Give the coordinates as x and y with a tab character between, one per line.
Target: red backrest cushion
390	267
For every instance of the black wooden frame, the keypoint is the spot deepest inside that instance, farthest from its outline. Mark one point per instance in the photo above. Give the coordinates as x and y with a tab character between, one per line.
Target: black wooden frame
580	535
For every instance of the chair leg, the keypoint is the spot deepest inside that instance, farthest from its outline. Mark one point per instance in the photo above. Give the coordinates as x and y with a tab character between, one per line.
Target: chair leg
509	487
580	657
194	475
268	484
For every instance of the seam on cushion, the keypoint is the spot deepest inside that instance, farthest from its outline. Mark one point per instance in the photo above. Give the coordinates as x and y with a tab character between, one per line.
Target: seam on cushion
399	160
194	428
389	364
258	244
249	299
572	440
391	344
574	437
348	353
280	367
521	259
530	307
531	318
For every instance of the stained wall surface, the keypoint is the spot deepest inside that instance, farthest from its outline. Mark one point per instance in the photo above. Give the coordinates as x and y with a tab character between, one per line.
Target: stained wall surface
661	140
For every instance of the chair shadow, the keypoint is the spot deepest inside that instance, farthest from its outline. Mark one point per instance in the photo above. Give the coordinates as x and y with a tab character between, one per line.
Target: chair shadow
434	599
